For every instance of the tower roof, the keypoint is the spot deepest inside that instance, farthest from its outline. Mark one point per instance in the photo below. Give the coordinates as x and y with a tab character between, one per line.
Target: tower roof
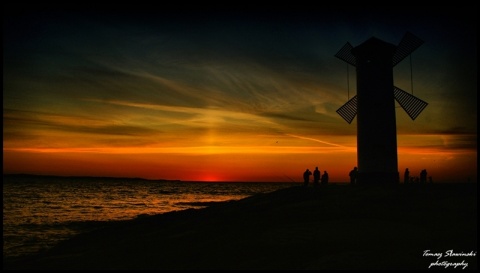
374	47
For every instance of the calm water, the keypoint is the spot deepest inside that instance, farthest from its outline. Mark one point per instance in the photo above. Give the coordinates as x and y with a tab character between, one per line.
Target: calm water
38	212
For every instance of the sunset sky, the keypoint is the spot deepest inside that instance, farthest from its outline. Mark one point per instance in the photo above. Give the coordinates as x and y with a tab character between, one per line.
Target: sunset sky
226	96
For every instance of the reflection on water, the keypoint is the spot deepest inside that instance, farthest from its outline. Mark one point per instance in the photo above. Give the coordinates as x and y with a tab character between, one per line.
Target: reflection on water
38	212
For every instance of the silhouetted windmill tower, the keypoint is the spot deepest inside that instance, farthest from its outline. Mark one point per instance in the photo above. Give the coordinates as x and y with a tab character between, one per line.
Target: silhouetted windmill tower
374	105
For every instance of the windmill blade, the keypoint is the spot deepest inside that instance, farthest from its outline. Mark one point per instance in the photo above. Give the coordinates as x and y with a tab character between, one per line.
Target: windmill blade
411	104
346	55
407	45
348	110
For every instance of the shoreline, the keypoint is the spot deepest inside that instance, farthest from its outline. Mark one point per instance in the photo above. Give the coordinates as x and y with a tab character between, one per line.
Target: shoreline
328	227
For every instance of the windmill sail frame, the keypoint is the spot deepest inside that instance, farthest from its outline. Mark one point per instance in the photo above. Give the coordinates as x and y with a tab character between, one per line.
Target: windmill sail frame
374	105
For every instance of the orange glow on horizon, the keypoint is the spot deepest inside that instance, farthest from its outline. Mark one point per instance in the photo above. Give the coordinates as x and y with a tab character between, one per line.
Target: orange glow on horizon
272	163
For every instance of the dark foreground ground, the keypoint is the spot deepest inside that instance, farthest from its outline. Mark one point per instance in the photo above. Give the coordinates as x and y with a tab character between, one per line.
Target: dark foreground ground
330	227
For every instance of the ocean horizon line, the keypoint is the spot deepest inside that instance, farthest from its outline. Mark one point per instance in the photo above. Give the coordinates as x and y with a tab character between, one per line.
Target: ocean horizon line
138	178
116	178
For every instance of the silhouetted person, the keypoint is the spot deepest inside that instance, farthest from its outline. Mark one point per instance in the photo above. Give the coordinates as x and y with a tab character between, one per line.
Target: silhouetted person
406	176
325	178
306	177
423	176
353	176
316	176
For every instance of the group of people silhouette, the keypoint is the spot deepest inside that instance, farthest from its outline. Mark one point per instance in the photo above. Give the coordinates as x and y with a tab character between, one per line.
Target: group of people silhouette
416	179
317	179
323	179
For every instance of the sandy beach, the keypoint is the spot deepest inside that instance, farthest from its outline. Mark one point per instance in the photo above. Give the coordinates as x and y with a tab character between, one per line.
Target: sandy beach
329	227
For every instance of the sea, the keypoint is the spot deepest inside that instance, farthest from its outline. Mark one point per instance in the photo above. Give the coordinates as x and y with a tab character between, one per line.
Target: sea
41	211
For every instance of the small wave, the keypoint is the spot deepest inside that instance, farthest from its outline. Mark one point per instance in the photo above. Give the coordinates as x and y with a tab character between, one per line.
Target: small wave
138	204
202	204
78	206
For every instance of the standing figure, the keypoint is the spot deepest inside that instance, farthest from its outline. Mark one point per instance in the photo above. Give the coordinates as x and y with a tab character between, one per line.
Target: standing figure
316	176
306	177
406	176
423	176
353	176
325	178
